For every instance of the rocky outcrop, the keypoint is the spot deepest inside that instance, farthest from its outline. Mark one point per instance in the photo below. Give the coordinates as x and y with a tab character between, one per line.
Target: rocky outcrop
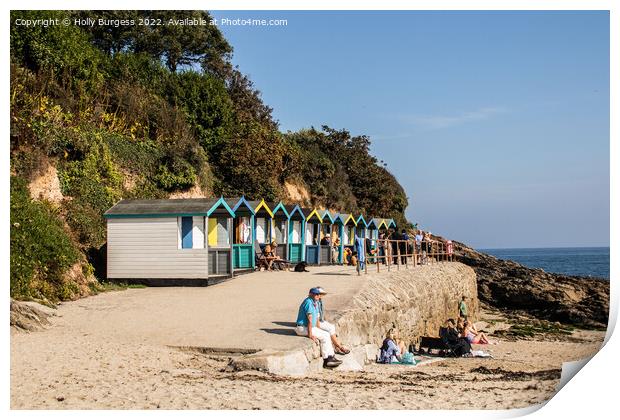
507	285
417	302
30	316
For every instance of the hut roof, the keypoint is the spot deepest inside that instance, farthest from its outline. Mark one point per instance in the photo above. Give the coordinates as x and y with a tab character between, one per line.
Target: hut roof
294	208
236	202
153	208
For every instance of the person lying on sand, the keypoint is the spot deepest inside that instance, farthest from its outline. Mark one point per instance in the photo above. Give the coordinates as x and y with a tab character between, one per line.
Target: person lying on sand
472	335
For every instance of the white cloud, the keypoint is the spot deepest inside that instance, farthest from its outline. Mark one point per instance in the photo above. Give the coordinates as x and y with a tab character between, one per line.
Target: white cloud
444	121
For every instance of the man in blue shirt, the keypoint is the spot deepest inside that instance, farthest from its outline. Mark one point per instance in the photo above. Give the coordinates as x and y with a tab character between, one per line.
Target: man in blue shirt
309	324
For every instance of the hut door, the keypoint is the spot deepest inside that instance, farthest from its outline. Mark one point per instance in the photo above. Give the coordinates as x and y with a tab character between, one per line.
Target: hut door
345	236
309	233
280	231
296	232
243	232
260	230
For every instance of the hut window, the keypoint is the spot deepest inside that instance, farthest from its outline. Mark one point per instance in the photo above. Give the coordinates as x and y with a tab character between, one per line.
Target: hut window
191	232
296	232
218	231
186	232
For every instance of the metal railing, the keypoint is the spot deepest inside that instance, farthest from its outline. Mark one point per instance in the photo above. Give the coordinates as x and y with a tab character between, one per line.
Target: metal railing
399	252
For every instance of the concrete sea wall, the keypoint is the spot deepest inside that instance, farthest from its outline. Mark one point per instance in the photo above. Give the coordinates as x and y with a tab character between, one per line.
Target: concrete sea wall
416	301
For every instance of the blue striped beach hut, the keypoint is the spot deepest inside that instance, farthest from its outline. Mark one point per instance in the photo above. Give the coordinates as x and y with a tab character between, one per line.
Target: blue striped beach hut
280	228
296	232
312	235
243	233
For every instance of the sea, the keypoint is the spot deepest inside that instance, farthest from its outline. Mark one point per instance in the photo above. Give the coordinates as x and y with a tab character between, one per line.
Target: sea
593	262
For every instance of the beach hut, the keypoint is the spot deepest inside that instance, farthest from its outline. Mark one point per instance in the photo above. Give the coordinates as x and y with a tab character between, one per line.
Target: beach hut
327	229
169	242
219	238
263	222
243	233
373	230
391	223
312	235
296	226
347	237
361	226
383	224
280	231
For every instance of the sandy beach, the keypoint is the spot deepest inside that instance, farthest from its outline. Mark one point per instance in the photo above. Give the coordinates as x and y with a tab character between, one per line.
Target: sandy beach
98	354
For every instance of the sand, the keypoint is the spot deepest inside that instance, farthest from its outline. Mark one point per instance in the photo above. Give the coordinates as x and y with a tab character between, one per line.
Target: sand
113	351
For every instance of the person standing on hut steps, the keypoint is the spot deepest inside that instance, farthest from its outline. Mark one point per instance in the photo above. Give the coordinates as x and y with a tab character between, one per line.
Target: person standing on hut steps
308	324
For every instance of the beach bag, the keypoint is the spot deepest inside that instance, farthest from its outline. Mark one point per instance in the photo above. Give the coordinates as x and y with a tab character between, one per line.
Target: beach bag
408	359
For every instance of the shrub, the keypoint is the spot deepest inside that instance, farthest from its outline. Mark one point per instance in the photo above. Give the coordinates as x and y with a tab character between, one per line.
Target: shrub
181	177
94	185
41	250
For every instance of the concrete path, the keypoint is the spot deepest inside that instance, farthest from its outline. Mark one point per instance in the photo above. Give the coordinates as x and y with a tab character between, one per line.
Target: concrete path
251	311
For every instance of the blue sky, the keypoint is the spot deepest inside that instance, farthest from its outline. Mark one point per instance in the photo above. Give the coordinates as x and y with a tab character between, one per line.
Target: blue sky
495	123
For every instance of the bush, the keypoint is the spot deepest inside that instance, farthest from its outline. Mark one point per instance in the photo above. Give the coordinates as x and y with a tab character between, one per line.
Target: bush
181	177
94	185
41	249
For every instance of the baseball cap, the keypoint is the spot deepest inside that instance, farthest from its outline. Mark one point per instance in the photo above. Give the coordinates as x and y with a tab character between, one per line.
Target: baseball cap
317	291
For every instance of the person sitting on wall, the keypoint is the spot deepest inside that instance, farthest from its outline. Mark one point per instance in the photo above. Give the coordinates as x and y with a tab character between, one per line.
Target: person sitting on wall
309	325
330	328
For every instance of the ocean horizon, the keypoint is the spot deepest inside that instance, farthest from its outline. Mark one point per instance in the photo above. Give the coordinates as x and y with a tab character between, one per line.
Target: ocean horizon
572	261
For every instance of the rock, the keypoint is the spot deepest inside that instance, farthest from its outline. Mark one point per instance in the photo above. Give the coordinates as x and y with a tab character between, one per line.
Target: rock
30	316
354	361
507	285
